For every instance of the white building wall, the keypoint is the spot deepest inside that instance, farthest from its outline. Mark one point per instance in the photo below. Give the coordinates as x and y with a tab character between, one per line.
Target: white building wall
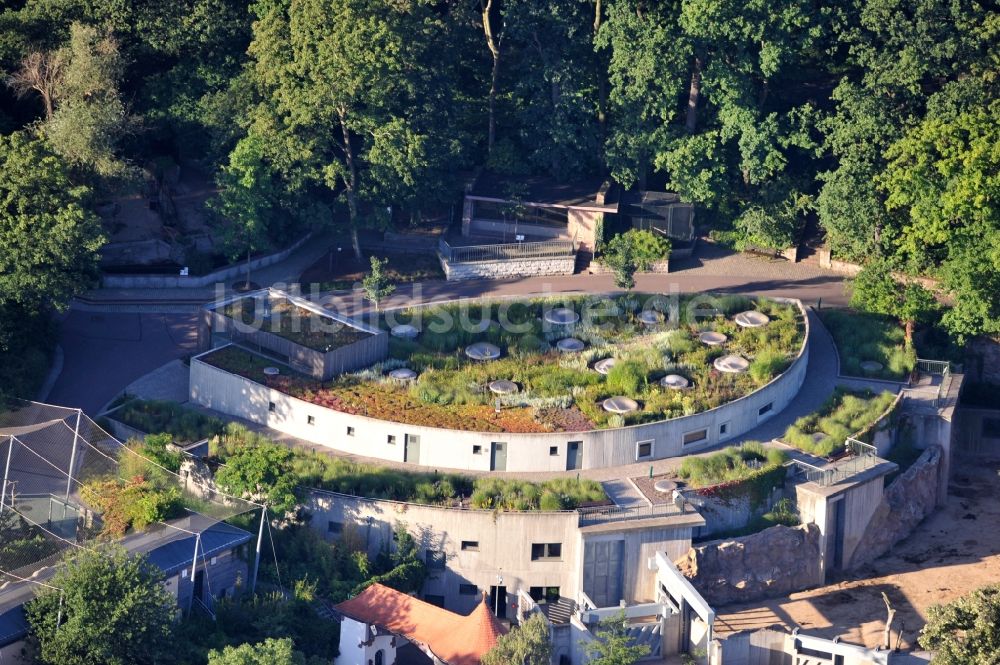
455	449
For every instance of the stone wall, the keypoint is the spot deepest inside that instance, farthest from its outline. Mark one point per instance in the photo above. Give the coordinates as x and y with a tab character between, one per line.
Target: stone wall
773	562
905	503
598	268
563	265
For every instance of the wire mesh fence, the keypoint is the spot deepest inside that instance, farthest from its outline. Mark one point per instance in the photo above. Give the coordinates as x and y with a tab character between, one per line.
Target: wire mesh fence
67	484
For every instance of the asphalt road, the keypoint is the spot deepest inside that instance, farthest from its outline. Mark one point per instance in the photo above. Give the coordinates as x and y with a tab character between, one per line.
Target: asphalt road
104	352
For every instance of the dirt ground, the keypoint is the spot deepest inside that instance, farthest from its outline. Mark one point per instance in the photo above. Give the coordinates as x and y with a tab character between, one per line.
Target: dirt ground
949	554
342	271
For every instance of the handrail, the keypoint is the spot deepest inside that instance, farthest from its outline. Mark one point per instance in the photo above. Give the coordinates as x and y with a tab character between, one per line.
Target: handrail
604	514
506	251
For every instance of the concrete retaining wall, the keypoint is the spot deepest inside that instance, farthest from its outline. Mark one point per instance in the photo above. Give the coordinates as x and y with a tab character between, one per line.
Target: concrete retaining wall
455	272
455	449
195	282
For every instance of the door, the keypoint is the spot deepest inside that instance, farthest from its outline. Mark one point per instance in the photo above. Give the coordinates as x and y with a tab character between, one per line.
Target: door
498	601
574	456
603	571
498	456
199	585
411	451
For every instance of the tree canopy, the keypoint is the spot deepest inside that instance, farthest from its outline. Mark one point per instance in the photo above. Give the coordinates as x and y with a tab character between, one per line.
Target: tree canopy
965	631
114	607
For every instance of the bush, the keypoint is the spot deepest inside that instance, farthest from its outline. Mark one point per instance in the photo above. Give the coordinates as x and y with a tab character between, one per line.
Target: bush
861	336
768	364
844	415
158	416
730	464
626	378
556	494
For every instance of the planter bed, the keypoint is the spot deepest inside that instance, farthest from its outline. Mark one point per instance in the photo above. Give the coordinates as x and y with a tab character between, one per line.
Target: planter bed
296	324
846	414
557	391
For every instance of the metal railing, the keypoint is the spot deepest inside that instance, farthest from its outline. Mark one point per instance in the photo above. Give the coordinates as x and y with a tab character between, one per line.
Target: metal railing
604	515
507	251
932	368
864	456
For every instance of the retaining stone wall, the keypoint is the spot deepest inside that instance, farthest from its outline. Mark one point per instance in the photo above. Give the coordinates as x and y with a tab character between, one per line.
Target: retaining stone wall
773	562
910	498
503	269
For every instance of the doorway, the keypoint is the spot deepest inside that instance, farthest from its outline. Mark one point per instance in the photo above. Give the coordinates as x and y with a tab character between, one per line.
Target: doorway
498	456
498	601
199	585
411	449
574	456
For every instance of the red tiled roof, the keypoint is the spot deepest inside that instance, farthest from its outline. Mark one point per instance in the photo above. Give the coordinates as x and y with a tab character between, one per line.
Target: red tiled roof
453	638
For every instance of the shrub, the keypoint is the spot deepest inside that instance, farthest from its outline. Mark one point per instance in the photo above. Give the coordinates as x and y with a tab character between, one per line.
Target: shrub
626	378
733	463
845	414
158	416
862	336
768	364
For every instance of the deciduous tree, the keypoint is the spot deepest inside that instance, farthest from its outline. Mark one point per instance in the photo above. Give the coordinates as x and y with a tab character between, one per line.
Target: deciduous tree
114	609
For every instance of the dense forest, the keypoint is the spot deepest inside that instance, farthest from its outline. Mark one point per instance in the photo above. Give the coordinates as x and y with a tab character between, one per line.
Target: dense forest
877	120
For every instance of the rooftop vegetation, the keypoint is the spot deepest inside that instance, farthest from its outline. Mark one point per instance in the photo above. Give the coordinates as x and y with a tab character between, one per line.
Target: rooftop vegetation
337	474
296	324
845	414
734	463
557	391
183	424
861	337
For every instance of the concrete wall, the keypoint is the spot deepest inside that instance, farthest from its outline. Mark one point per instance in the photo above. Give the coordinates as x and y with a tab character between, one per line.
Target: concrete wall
455	272
774	647
193	282
598	268
454	449
504	541
504	545
322	365
975	433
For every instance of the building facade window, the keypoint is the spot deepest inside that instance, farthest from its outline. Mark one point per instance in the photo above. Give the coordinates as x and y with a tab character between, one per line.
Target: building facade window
477	450
553	451
350	431
310	420
335	528
468	589
766	409
544	594
643	449
434	559
470	545
546	551
391	439
695	437
271	407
